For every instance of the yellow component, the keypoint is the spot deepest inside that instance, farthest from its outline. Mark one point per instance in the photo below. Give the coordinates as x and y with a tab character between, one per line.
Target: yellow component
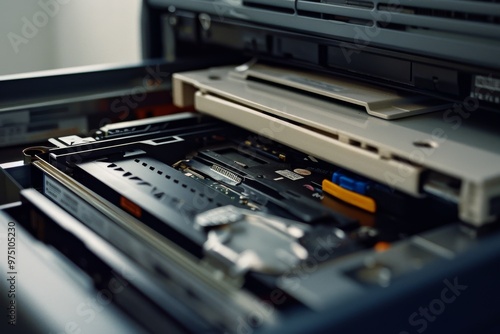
361	201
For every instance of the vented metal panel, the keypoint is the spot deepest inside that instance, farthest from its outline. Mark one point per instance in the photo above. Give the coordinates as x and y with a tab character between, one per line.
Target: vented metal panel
461	17
454	30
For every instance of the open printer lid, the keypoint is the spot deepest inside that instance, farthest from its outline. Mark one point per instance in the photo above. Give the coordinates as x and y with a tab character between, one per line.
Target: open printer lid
437	152
405	93
446	48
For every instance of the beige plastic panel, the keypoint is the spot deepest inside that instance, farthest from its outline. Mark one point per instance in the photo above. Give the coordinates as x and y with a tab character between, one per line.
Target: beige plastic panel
379	102
454	142
314	143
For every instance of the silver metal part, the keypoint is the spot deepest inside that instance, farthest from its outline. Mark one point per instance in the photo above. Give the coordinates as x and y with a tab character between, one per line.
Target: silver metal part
66	141
244	241
227	174
219	217
205	21
441	187
130	126
30	153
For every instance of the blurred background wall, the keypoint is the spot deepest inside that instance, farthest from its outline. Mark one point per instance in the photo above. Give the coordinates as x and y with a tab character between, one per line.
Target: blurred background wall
49	34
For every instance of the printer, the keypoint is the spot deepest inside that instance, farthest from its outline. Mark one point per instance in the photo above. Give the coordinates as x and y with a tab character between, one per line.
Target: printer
279	166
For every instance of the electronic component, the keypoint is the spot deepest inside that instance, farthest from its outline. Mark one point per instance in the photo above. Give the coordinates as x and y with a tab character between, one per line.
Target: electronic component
253	215
351	197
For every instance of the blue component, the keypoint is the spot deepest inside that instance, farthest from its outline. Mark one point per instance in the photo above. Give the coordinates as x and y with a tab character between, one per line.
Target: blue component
349	183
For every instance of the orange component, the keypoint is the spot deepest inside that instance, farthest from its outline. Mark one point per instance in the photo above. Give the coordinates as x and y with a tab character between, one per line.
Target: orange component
382	246
358	200
130	207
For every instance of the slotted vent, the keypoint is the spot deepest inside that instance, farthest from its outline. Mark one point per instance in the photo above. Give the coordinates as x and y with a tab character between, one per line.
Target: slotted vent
280	6
471	13
163	180
464	17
